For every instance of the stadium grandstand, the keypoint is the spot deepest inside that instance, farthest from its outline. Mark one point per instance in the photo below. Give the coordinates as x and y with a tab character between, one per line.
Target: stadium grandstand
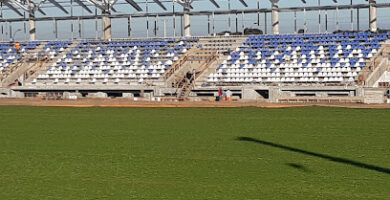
159	50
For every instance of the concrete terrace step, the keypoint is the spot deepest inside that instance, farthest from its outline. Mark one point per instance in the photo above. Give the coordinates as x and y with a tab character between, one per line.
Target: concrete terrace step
376	68
213	68
20	68
43	68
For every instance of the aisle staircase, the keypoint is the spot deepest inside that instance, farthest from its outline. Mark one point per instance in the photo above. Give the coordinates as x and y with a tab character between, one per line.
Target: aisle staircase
185	88
42	65
224	50
171	75
185	72
376	68
15	72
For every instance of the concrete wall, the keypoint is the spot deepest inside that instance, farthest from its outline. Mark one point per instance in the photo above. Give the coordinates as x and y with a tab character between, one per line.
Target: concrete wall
15	94
274	94
359	92
72	95
163	91
128	95
377	73
374	95
384	78
97	95
5	93
250	94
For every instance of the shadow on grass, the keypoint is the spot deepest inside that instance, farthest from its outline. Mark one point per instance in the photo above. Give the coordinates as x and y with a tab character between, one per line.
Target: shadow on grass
298	166
323	156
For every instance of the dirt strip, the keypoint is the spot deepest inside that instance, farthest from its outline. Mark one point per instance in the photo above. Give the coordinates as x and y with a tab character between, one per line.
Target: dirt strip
166	104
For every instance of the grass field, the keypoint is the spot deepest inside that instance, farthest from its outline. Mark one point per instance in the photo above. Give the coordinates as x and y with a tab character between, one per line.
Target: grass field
194	153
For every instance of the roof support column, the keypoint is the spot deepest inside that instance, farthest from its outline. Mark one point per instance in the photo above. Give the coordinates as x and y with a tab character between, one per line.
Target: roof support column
32	28
187	22
373	16
275	16
106	20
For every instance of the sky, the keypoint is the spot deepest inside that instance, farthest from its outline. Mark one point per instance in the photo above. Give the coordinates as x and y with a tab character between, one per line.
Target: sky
199	24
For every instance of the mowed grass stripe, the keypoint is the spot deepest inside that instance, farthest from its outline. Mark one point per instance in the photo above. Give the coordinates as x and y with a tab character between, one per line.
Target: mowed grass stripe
192	153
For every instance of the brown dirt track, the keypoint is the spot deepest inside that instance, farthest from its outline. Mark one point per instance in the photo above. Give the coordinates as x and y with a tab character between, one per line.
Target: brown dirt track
128	103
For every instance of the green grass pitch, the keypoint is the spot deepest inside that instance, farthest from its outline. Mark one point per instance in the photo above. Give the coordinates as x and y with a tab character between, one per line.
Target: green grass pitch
194	153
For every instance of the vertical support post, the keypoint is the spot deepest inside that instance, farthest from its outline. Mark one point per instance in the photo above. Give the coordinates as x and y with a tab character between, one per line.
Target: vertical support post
295	22
9	27
358	19
181	26
55	29
155	26
373	16
265	23
32	30
10	31
208	25
319	17
213	24
25	30
1	16
71	21
275	17
304	21
351	15
230	17
258	13
96	25
80	30
337	18
174	18
242	22
129	27
326	21
236	23
6	24
147	18
147	27
24	27
165	28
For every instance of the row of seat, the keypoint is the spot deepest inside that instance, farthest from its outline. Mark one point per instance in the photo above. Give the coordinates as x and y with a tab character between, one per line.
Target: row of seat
85	80
313	57
125	60
9	55
285	80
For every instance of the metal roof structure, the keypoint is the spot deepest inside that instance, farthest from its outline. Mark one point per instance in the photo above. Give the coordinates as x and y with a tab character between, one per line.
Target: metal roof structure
26	11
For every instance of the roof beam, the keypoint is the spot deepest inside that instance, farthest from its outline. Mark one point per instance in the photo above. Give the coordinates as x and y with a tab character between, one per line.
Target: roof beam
243	3
215	3
97	4
59	6
113	9
41	11
111	6
20	5
135	5
13	8
204	13
186	3
160	4
38	7
84	6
